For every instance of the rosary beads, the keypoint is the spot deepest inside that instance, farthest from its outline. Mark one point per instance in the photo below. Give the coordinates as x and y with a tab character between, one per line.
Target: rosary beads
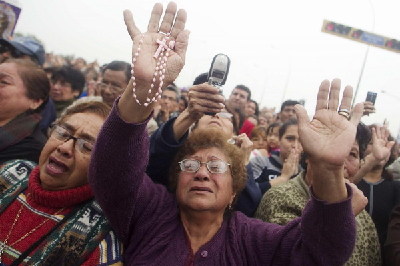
165	45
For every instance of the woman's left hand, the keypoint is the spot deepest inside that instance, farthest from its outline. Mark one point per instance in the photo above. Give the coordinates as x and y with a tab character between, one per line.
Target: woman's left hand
329	136
327	139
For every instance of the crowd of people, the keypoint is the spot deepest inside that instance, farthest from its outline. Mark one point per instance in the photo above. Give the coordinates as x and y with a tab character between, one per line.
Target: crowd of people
116	164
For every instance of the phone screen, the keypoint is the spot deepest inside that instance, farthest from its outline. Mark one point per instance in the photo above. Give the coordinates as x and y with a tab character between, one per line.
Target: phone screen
371	97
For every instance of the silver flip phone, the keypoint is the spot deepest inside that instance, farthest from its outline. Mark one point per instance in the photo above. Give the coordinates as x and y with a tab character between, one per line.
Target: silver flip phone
218	72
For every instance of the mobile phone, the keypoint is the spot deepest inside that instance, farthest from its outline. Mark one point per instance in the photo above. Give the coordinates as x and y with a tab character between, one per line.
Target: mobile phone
218	72
371	97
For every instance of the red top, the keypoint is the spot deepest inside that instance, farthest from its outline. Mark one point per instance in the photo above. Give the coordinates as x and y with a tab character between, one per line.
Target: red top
36	207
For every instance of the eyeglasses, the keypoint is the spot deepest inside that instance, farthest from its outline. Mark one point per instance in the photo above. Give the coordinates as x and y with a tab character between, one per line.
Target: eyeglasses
224	115
62	134
113	88
214	166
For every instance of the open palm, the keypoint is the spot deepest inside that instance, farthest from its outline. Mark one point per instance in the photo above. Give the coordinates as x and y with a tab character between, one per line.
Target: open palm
329	136
381	147
173	23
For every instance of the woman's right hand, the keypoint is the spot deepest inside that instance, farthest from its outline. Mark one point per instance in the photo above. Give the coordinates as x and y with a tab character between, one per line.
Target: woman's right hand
291	164
381	147
173	22
144	67
289	168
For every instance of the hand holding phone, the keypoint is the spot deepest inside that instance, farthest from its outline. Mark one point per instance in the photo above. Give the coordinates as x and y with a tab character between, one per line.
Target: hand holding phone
369	104
218	72
371	97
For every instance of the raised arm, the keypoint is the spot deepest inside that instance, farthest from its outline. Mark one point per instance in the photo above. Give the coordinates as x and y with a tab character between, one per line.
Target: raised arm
325	234
118	164
327	139
153	69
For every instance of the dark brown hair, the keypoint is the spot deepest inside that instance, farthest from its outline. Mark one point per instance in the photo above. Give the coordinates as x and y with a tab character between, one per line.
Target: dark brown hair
202	139
34	79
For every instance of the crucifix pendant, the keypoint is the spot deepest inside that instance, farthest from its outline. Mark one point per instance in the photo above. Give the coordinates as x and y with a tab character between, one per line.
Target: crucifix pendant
162	45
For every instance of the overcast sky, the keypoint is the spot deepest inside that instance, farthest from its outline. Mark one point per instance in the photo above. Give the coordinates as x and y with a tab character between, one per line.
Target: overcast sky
276	47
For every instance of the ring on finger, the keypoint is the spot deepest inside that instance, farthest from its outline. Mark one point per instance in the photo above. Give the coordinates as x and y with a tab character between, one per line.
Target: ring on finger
345	113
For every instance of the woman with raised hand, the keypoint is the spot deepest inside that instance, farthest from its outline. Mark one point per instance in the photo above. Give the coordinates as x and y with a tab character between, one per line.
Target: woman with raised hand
193	225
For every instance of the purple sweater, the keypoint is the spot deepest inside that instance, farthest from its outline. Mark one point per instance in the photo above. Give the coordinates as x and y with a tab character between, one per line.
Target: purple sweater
145	216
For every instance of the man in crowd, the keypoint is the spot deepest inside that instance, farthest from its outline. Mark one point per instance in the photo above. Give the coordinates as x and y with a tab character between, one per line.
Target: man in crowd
287	111
116	76
237	102
168	105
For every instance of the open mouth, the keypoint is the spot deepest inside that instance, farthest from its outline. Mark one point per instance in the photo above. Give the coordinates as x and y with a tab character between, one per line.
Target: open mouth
201	189
56	167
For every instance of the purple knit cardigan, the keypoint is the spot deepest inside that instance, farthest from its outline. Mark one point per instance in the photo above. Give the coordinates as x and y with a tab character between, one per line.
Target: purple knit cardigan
145	216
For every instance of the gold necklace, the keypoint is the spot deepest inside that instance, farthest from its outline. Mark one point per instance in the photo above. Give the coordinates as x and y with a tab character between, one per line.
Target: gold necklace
3	245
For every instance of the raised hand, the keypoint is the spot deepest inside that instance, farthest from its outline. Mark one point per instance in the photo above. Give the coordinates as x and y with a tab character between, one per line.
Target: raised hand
291	165
328	137
245	144
173	23
158	56
289	168
204	98
381	147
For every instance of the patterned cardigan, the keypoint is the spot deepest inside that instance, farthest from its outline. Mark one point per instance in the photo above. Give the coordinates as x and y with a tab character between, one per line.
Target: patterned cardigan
283	203
84	238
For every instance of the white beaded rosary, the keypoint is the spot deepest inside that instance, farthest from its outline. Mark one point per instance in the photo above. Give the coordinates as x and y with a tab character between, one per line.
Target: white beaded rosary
161	55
